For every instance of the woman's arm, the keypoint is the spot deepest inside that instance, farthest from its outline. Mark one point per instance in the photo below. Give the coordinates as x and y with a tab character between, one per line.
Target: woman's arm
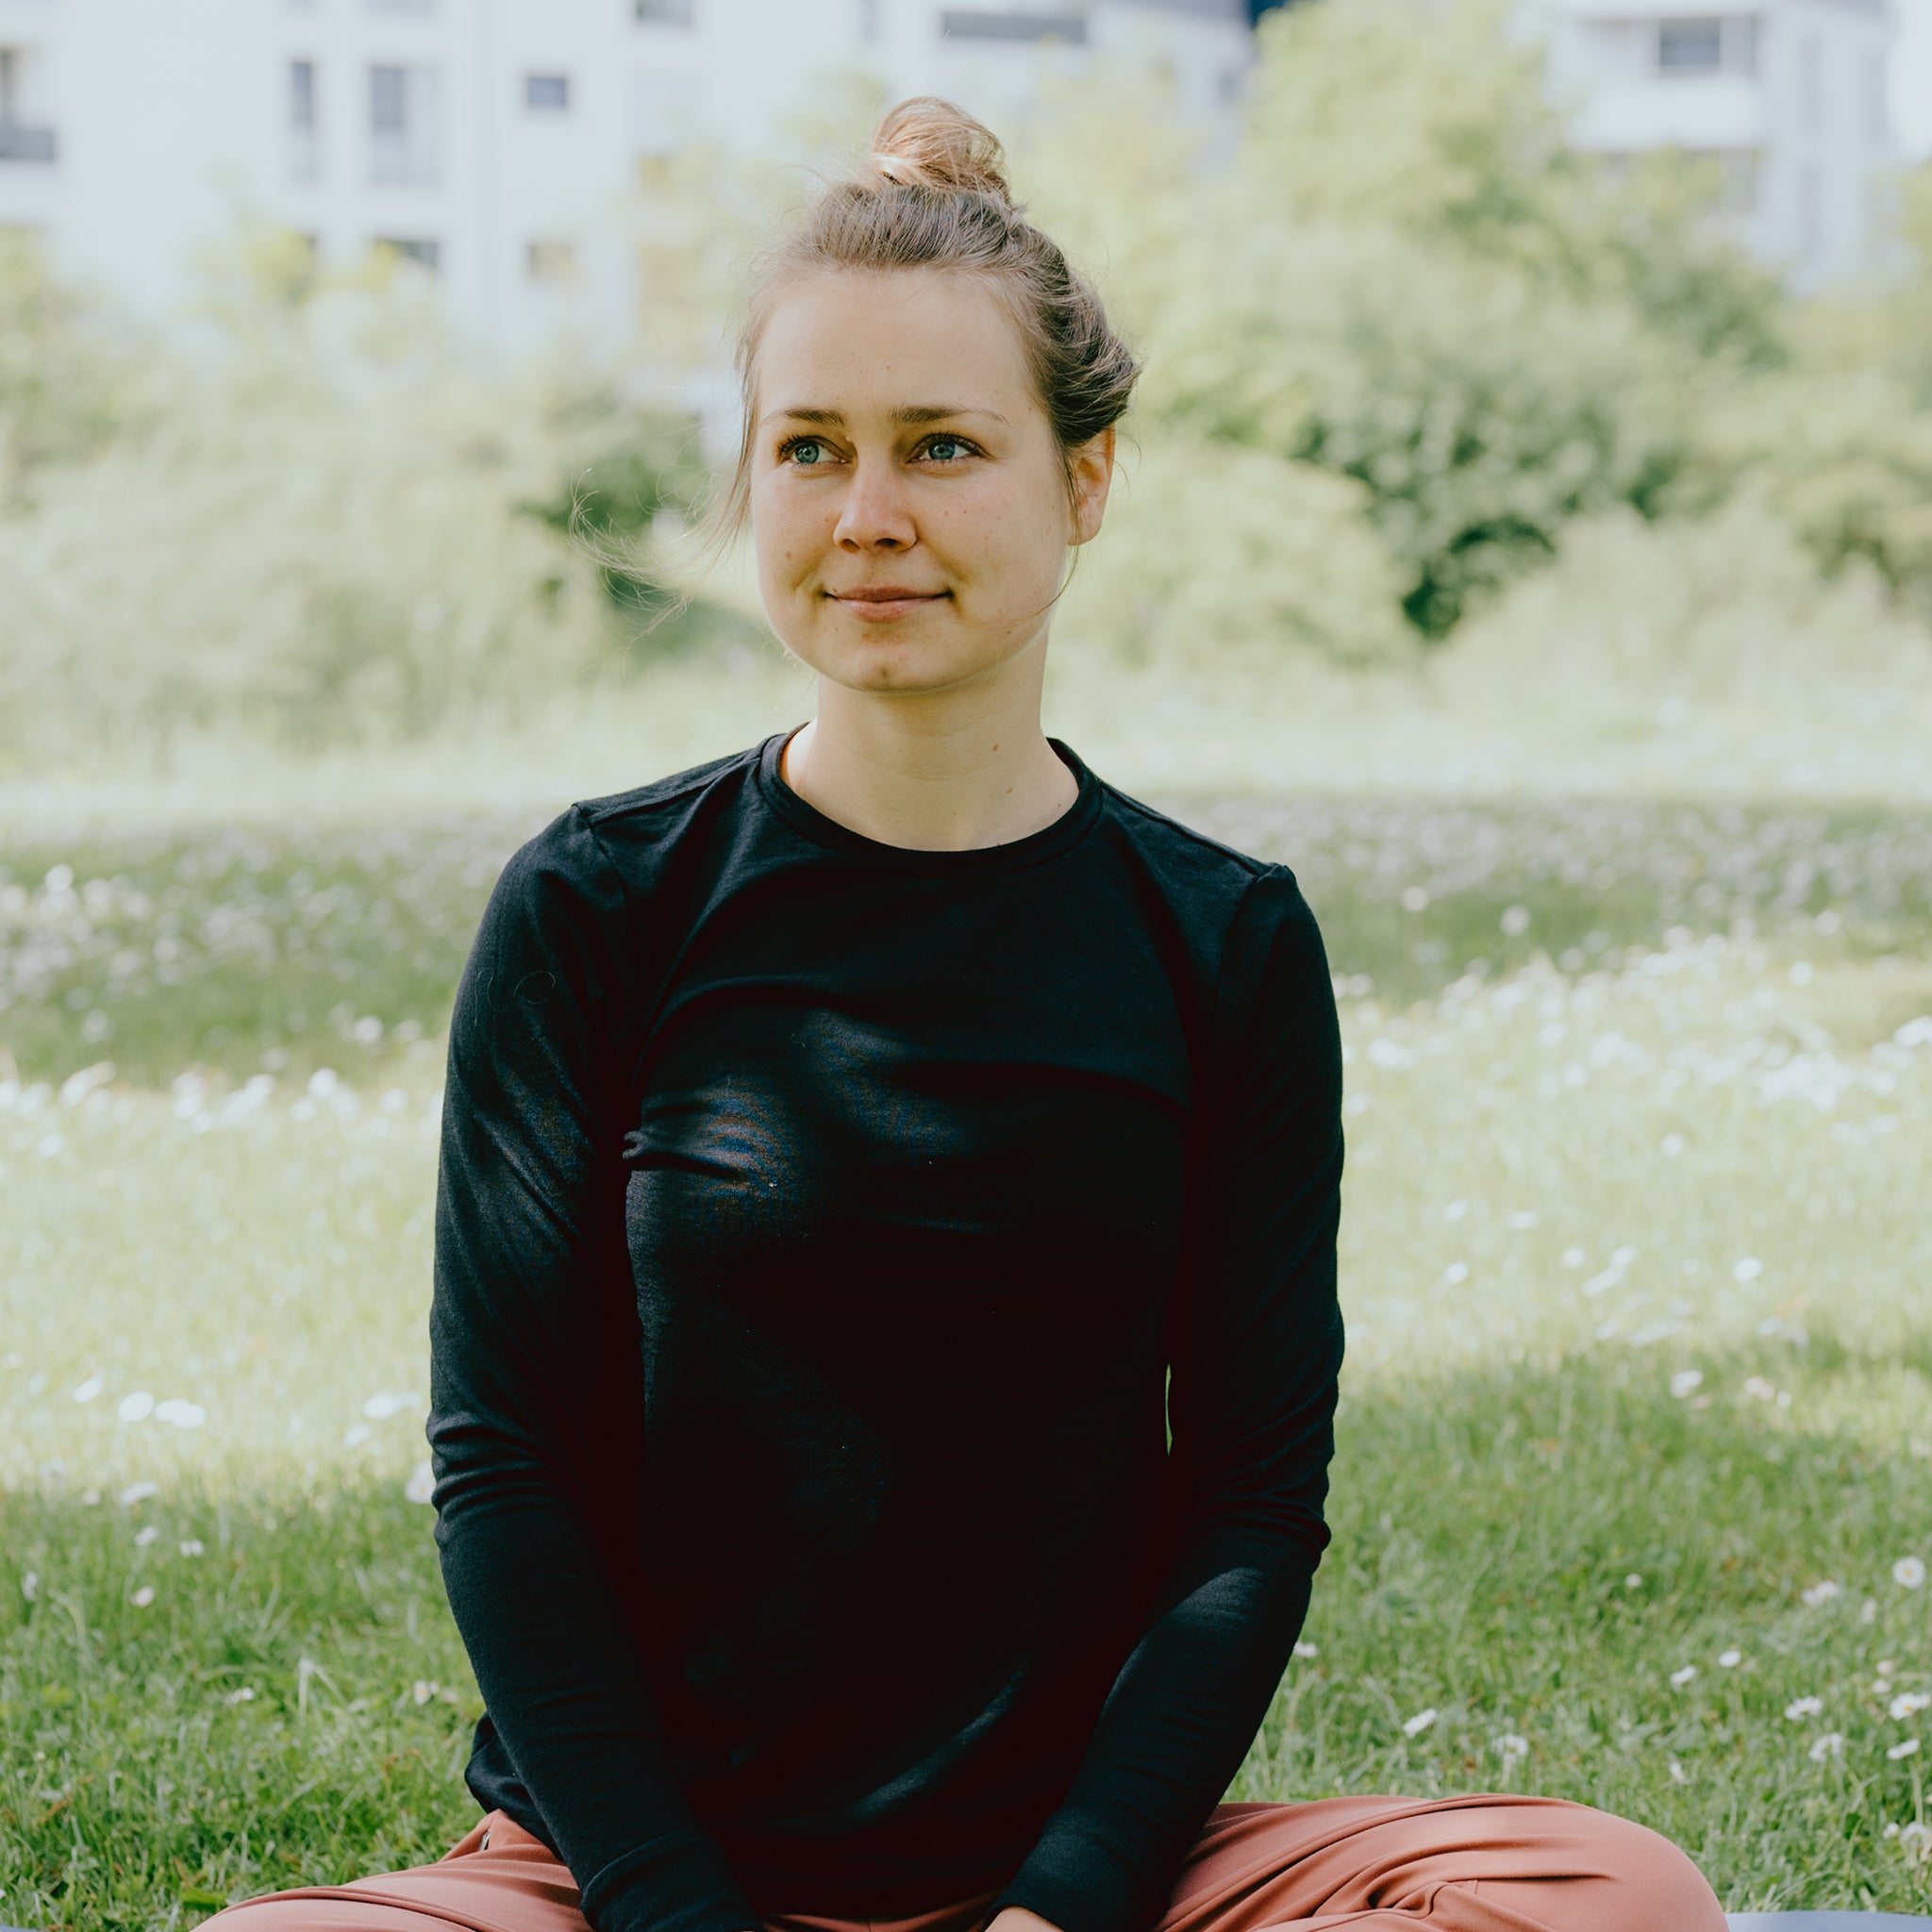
1255	1350
536	1412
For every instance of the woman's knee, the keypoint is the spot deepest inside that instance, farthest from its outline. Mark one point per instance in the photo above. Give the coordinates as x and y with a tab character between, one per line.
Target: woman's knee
282	1912
1657	1885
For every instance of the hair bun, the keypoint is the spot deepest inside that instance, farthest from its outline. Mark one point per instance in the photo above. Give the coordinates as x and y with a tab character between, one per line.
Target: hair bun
927	142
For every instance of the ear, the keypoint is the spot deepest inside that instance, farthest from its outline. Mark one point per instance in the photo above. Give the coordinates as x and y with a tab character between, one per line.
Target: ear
1090	468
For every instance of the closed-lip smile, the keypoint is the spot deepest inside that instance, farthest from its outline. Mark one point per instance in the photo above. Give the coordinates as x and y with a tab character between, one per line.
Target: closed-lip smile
880	603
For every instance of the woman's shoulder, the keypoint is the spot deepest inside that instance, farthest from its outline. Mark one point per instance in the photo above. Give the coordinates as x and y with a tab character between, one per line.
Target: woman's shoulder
586	841
599	856
1200	868
663	800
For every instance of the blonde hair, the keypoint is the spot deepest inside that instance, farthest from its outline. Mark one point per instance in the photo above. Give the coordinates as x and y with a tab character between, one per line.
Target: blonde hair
932	193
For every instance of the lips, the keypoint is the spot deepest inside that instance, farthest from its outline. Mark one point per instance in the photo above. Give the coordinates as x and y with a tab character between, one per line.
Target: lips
881	603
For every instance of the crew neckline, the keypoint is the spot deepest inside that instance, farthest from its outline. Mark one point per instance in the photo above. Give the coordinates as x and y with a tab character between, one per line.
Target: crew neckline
1048	843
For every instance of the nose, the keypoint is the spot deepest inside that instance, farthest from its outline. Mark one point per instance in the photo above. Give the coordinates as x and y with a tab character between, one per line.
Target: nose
876	514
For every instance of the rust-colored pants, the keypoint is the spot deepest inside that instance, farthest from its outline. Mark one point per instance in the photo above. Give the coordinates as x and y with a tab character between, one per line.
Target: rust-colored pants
1486	1863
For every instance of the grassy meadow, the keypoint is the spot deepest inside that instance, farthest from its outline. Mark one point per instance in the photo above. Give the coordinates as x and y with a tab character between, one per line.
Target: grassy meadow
1495	543
1634	1496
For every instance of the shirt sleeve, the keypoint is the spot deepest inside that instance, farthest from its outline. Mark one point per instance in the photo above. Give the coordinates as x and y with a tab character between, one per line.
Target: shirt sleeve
1254	1360
536	1407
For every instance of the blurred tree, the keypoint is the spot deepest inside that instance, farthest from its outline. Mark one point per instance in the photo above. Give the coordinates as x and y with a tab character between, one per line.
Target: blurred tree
647	482
68	367
1436	121
1442	300
1217	552
1840	444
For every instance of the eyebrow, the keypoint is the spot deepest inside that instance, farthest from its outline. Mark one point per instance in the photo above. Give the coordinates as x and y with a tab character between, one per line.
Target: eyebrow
913	415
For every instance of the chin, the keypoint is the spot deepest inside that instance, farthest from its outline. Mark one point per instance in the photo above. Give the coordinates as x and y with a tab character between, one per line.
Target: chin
884	673
898	664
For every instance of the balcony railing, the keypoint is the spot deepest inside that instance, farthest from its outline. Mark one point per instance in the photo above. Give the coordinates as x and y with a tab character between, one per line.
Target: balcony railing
977	23
21	143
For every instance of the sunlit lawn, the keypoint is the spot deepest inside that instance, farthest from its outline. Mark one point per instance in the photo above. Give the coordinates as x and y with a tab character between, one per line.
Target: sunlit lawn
1635	1486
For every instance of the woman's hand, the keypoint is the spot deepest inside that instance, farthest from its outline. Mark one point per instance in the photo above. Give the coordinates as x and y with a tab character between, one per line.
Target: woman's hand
1018	1919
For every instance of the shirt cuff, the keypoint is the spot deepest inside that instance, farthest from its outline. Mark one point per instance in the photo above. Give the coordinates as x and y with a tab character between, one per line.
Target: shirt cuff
1077	1884
679	1883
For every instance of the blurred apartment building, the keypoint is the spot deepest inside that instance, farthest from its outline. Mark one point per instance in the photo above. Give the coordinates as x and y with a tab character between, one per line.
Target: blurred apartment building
499	142
1789	97
496	141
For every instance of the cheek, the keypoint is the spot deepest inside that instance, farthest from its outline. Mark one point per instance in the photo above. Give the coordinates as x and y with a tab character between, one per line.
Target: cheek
1002	533
782	539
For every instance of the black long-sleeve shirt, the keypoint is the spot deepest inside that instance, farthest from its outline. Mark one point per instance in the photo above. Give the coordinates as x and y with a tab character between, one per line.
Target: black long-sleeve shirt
830	1236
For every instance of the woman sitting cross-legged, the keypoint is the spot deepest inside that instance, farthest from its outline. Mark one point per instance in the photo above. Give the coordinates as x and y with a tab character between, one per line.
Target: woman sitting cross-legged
885	1333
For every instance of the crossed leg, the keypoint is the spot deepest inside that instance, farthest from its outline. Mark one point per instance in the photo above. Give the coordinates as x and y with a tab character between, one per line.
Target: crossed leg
1486	1863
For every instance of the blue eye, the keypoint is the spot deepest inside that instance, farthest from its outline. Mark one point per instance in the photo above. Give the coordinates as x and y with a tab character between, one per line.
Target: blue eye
808	449
946	448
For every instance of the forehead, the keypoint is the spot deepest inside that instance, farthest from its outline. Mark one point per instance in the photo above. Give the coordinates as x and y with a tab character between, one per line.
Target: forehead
860	340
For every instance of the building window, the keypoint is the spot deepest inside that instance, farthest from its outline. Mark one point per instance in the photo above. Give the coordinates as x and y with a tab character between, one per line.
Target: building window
305	155
1810	213
546	93
21	139
417	248
666	12
1877	101
302	96
1689	46
551	260
1811	83
404	137
867	20
964	23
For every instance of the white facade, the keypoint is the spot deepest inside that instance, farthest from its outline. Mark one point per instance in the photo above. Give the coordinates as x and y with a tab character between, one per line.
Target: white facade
499	141
1791	96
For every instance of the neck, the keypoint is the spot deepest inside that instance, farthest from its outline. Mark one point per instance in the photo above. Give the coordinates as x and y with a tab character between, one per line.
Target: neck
933	771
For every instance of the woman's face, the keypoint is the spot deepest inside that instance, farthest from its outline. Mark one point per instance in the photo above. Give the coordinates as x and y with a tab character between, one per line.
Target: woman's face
908	496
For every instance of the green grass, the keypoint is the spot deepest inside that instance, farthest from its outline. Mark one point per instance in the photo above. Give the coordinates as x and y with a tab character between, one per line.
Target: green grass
1487	1527
288	947
1571	1190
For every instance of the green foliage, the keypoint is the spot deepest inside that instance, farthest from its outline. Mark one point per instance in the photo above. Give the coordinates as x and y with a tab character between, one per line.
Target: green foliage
317	535
1464	153
1215	549
1442	300
1397	361
649	474
1841	445
1846	460
1479	414
1493	334
66	372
